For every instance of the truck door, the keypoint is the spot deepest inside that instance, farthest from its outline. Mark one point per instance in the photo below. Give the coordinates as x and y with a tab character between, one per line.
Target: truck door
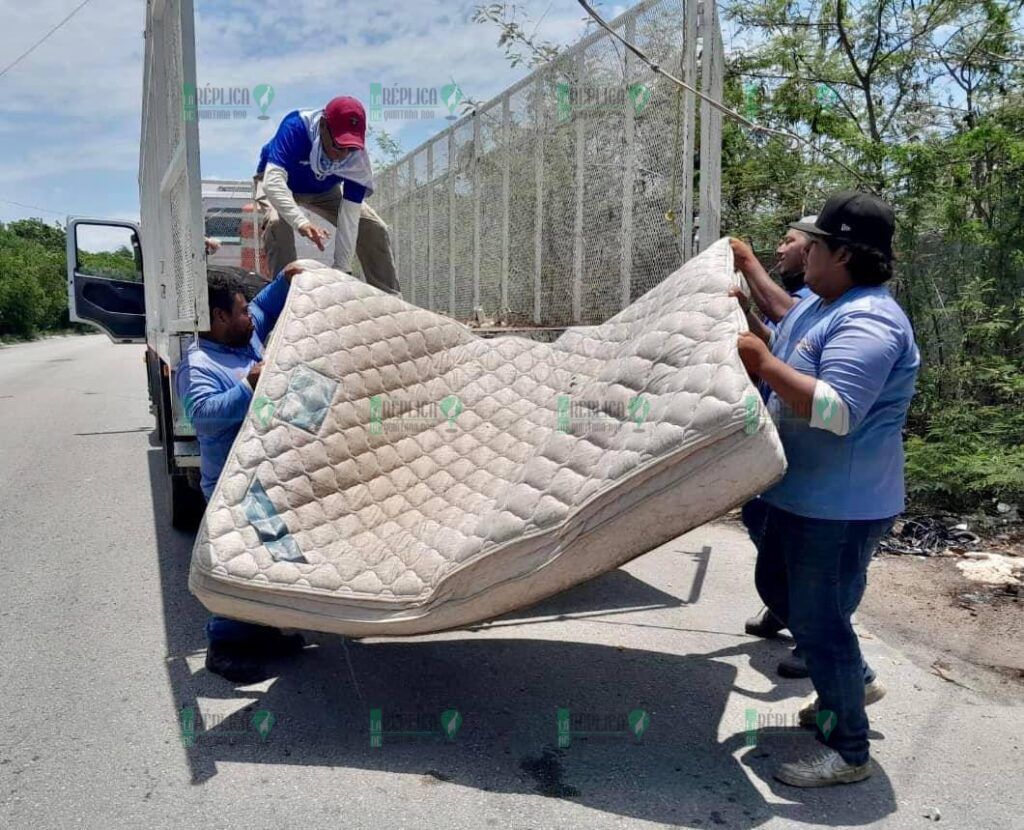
105	285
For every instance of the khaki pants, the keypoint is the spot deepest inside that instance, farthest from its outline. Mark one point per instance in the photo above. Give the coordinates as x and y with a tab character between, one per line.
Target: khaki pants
373	242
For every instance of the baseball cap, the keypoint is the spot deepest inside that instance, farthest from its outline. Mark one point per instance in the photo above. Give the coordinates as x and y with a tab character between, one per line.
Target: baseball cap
346	122
852	216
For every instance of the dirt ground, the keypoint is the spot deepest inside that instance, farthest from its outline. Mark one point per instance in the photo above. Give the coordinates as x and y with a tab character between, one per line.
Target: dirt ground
962	631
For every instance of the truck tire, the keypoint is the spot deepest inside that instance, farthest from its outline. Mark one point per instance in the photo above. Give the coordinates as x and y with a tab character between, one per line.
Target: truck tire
186	503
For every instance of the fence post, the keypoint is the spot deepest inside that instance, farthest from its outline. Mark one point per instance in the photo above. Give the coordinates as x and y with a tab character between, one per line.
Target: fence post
577	233
430	226
451	222
689	133
411	212
538	207
476	212
628	176
710	127
506	195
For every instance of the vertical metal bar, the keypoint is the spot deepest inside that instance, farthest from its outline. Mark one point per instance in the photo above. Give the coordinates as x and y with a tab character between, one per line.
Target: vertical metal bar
689	133
410	209
710	127
451	222
577	232
476	211
538	204
506	195
628	177
430	225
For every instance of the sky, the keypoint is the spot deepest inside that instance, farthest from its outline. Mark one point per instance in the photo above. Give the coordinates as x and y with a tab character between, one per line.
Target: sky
70	112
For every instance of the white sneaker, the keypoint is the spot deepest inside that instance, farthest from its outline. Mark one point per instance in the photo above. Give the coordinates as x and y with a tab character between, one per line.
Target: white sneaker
873	692
823	770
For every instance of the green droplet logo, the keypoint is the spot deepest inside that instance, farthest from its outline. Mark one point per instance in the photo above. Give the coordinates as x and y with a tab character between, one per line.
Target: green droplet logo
263	409
826	720
263	94
639	408
262	721
751	411
639	720
451	407
451	720
640	95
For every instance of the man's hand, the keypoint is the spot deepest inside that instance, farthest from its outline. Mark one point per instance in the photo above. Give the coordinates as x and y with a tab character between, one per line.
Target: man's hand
254	374
212	245
753	352
316	235
742	299
742	254
291	269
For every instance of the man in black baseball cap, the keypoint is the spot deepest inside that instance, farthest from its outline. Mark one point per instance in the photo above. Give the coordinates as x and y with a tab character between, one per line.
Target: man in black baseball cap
850	216
840	368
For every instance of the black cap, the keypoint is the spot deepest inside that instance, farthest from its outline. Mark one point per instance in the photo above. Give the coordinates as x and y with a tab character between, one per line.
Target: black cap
852	216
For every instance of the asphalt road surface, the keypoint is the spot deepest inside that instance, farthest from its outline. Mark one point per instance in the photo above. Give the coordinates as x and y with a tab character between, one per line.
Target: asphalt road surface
108	718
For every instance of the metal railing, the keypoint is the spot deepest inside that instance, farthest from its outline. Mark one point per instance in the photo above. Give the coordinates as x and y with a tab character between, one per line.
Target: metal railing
570	194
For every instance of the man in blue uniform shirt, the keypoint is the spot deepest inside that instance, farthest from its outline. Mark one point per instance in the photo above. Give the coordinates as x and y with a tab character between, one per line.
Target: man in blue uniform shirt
772	301
841	368
215	381
317	159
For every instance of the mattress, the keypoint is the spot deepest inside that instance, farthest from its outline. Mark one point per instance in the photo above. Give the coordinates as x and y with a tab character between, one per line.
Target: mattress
397	474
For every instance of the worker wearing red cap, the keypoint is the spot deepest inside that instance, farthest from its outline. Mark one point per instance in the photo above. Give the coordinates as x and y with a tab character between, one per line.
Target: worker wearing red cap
317	159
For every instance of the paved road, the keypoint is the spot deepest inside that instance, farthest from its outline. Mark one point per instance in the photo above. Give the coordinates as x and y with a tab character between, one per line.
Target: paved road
102	649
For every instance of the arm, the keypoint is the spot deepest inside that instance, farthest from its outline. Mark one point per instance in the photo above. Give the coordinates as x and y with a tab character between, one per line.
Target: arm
266	307
772	299
208	405
754	323
275	185
795	388
349	210
854	364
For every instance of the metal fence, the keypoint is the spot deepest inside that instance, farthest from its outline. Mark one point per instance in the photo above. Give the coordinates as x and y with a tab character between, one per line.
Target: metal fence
572	193
172	219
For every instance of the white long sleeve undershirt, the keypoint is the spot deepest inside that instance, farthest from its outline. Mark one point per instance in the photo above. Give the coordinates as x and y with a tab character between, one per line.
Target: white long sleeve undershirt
275	186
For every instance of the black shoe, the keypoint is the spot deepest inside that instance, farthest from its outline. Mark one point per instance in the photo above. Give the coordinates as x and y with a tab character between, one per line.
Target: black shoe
793	666
238	666
765	624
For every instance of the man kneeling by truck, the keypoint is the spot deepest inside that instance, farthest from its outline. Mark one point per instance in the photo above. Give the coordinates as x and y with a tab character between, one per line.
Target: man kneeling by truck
215	381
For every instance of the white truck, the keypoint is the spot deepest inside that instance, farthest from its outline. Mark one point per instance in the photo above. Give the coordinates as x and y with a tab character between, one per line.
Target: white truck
165	303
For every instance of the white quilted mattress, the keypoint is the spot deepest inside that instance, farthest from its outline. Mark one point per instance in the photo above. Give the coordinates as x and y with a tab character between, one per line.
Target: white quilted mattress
396	474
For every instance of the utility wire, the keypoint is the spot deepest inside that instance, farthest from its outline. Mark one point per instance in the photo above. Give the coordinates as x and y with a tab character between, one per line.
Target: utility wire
718	105
32	207
41	40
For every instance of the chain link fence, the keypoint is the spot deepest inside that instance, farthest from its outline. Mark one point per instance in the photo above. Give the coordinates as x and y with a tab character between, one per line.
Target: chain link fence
571	194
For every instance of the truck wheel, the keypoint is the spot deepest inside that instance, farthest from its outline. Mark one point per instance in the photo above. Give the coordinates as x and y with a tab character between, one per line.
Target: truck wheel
186	505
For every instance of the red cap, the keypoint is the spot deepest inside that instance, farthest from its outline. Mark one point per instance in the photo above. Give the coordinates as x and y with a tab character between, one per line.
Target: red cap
346	121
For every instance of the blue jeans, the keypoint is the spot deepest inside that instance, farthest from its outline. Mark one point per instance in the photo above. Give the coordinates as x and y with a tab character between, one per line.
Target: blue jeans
812	573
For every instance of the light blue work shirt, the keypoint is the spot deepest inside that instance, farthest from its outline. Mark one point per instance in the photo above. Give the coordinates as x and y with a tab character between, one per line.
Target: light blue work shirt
862	345
211	383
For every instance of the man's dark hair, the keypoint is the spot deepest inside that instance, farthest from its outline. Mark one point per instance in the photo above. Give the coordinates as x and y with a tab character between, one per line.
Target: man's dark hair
223	282
867	265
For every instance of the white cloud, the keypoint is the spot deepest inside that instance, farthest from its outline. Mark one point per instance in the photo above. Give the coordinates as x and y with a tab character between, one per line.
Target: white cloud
73	106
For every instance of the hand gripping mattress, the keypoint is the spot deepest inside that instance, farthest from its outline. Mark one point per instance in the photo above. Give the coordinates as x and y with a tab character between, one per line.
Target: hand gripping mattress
397	474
